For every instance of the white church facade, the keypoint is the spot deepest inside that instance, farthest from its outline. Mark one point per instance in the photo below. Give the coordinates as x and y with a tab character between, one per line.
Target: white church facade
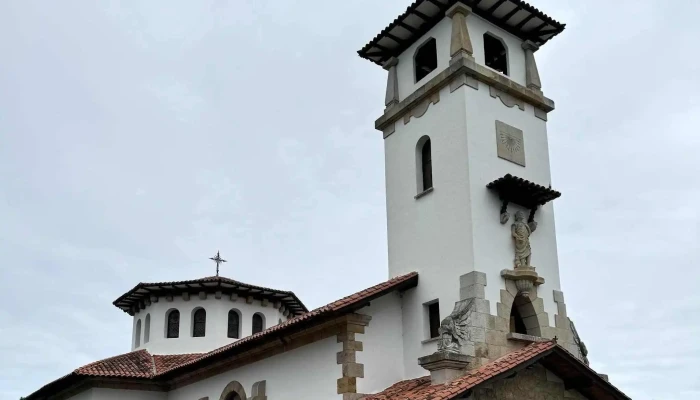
472	308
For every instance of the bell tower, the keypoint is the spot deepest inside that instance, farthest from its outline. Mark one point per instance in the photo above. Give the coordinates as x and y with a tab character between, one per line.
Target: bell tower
468	183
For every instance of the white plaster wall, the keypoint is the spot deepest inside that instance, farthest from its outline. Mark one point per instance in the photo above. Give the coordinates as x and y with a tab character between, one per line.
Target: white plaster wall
216	327
516	55
118	394
442	32
382	342
431	235
309	372
85	395
406	75
493	245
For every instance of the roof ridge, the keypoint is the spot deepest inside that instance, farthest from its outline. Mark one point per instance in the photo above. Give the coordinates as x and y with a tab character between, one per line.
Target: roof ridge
78	370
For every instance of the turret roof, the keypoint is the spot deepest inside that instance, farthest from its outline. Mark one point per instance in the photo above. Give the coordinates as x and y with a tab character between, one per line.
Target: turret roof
141	294
514	16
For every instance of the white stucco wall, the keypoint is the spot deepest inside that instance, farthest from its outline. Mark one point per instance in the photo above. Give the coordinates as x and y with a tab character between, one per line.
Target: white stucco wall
382	354
216	326
431	235
114	394
493	244
405	72
309	372
442	33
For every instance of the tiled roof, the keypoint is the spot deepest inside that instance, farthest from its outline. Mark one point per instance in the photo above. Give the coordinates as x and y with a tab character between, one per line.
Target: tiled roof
515	16
549	354
134	299
137	364
142	365
420	388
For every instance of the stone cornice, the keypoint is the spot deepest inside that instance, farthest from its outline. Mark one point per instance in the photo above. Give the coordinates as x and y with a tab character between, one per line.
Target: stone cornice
463	66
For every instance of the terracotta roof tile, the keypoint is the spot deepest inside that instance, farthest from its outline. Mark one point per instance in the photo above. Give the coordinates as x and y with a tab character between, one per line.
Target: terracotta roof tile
137	364
420	388
168	362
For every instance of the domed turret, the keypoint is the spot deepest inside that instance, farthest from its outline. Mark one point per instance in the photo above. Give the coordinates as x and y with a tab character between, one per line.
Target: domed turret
201	315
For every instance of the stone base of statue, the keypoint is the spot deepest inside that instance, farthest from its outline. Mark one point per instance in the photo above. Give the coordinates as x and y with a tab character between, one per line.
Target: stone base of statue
445	366
525	279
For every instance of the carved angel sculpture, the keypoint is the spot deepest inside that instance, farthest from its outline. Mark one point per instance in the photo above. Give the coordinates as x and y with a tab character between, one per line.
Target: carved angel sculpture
453	329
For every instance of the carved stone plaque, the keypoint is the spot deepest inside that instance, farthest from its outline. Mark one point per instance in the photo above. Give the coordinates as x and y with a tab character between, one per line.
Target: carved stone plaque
510	143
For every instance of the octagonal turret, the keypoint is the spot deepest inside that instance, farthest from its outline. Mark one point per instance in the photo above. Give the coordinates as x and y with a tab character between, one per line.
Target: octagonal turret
201	315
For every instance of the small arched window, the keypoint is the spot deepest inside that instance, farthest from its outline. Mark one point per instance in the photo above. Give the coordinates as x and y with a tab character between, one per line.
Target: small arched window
424	164
495	54
147	329
137	334
199	323
258	323
425	61
173	325
234	324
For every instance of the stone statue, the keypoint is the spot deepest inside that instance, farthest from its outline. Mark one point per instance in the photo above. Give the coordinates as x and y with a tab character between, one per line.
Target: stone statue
521	231
453	329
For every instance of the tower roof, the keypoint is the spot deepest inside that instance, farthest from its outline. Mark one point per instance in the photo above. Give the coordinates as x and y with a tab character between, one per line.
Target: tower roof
515	16
134	299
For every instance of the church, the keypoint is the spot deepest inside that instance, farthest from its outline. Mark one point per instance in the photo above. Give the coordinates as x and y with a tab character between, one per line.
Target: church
472	308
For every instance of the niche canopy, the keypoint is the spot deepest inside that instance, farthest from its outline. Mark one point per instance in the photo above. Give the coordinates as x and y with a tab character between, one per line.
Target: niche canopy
514	16
530	195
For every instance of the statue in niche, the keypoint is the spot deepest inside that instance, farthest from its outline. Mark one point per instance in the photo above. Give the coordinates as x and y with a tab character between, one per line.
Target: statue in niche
453	329
521	231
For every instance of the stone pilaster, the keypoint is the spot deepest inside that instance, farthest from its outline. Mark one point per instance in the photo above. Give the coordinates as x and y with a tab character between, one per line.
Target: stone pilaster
532	76
392	83
461	44
351	369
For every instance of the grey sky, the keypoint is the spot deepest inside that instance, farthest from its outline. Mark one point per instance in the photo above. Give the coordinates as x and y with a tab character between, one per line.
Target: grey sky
138	138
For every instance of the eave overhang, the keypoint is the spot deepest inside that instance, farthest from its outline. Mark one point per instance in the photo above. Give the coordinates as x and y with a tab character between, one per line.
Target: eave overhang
514	16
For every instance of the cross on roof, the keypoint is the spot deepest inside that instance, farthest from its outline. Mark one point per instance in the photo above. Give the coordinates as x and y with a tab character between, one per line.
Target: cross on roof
218	260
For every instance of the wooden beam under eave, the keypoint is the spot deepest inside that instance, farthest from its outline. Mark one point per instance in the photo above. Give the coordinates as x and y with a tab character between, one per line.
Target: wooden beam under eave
495	6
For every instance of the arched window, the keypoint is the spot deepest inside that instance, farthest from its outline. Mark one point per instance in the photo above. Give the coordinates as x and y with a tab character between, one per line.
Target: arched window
199	323
495	54
525	318
172	329
234	324
516	321
425	61
147	329
233	396
137	334
424	164
258	323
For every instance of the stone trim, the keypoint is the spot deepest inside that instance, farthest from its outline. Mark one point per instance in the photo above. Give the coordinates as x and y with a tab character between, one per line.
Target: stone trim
424	193
462	80
420	110
259	391
507	100
392	85
460	43
532	76
233	387
389	130
471	68
525	338
562	324
347	358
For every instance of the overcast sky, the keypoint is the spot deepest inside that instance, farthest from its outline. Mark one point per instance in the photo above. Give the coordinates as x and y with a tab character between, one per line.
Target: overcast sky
138	138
